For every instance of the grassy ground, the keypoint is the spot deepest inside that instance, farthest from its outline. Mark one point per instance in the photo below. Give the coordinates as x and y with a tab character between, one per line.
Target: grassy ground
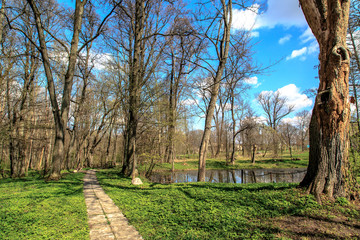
30	208
230	211
298	160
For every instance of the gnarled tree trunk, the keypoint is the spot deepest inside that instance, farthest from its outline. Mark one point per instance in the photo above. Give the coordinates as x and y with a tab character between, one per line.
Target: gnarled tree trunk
329	127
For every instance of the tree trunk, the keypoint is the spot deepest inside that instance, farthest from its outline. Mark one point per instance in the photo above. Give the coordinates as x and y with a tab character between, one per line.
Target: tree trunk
233	137
329	127
134	89
253	154
225	42
172	115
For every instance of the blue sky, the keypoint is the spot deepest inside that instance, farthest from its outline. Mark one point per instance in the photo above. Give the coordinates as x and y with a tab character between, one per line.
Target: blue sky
281	33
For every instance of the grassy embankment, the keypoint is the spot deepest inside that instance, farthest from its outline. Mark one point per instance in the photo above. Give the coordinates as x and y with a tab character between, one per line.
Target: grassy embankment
31	208
229	211
190	162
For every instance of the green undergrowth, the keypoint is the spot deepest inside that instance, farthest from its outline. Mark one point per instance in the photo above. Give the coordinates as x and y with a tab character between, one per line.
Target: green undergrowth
31	208
213	210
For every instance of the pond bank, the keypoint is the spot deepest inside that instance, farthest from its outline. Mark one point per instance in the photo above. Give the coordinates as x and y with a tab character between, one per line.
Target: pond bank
275	175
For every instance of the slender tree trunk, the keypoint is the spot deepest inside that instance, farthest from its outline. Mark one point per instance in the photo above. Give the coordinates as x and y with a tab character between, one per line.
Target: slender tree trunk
329	127
233	137
225	42
172	118
253	154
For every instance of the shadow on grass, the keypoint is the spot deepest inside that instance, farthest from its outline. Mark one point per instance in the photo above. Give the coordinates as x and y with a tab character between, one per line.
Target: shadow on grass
38	188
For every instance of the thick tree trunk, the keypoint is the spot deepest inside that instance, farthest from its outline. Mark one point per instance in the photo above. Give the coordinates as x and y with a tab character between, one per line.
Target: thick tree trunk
329	127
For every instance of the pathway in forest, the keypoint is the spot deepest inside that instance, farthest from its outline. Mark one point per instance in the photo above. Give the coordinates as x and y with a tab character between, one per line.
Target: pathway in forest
105	219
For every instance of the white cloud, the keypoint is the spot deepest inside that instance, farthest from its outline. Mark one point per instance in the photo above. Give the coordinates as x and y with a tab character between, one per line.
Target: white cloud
255	34
283	12
101	61
189	102
293	121
313	47
286	13
284	39
294	97
260	120
302	53
245	19
251	80
307	36
297	53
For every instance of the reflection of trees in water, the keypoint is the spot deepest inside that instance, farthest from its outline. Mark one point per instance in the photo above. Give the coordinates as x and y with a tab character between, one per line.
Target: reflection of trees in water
253	176
211	179
221	179
233	176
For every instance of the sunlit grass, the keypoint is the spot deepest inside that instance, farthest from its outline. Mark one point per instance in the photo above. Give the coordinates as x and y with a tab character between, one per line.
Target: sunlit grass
31	208
214	210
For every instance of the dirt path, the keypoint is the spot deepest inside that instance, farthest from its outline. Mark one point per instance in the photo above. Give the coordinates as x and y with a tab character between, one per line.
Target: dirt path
105	219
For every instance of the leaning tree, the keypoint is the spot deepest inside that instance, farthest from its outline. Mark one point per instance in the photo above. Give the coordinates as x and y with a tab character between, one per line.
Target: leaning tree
328	171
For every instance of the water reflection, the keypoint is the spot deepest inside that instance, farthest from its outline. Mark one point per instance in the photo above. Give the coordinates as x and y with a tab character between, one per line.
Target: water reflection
233	176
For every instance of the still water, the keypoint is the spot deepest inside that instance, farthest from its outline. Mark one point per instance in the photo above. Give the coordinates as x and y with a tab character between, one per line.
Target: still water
233	176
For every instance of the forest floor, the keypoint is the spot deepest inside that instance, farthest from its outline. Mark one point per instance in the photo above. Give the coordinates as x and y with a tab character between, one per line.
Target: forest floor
31	208
230	211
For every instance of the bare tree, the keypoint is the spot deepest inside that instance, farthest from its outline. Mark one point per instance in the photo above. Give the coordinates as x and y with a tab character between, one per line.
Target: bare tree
61	113
221	43
181	53
303	121
275	108
288	133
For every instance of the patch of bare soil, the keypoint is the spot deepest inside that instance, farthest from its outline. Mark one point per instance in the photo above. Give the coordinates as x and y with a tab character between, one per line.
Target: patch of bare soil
299	227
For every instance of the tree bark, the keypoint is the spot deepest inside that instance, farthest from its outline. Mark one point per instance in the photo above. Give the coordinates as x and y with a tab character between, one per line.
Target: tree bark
172	112
329	127
134	89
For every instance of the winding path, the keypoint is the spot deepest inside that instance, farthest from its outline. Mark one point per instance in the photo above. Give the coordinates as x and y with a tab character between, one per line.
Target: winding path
105	219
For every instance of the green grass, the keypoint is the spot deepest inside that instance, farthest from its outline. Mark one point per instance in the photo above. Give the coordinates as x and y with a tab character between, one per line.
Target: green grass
31	208
214	211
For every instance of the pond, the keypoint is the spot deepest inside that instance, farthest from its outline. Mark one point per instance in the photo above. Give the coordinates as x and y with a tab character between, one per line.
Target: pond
288	175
